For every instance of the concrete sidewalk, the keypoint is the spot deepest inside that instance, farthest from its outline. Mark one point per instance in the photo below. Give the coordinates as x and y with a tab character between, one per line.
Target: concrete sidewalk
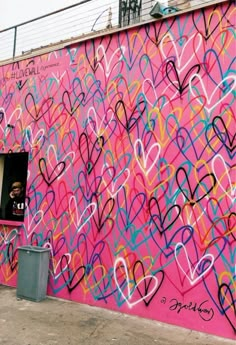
55	321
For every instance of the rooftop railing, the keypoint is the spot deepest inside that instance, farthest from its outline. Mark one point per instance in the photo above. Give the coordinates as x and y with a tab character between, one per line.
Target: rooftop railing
87	17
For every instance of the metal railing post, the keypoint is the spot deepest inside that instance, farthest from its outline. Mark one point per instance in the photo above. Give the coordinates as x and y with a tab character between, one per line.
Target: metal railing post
14	45
120	12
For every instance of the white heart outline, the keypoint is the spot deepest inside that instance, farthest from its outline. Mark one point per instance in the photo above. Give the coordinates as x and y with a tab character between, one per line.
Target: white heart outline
145	157
79	225
6	236
113	191
192	272
189	217
179	56
120	49
8	121
98	131
209	98
162	93
34	140
70	155
55	267
39	213
226	172
58	77
120	259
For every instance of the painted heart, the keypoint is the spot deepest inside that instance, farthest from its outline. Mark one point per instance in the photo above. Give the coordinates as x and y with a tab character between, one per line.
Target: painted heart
90	156
167	242
37	111
228	304
53	158
79	218
90	253
90	50
231	221
7	101
57	268
203	188
178	49
146	161
127	119
162	218
195	273
35	140
211	18
188	144
61	201
144	288
7	235
227	137
121	263
109	63
12	256
34	223
71	277
70	105
156	33
51	175
199	90
174	76
56	244
225	177
212	58
102	216
115	186
57	119
127	91
128	214
89	185
99	124
134	45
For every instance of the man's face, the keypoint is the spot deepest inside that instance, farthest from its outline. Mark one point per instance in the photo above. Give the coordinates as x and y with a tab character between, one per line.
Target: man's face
16	190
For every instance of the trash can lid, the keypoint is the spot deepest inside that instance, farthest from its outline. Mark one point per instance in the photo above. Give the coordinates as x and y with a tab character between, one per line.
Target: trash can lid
34	249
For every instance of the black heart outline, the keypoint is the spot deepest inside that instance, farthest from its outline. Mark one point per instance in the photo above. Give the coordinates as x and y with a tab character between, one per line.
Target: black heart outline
11	256
156	40
193	192
66	99
1	116
70	278
221	287
181	87
37	117
56	247
162	218
230	227
146	286
101	219
89	163
131	121
47	178
94	66
91	185
206	33
224	137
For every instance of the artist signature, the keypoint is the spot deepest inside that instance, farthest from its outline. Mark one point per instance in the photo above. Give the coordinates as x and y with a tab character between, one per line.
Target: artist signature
203	311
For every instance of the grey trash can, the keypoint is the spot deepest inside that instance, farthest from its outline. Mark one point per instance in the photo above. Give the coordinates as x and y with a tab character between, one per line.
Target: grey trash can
33	269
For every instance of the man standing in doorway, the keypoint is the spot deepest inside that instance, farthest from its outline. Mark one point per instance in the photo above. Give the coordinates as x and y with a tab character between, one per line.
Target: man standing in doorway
16	205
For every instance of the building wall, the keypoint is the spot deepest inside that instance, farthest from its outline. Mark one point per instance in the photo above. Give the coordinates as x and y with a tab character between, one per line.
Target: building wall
131	175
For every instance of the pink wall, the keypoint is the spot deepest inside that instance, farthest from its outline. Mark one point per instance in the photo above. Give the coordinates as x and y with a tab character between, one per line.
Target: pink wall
131	177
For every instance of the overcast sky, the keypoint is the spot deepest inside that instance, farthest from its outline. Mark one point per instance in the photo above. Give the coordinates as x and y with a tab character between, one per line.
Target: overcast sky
13	12
71	23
